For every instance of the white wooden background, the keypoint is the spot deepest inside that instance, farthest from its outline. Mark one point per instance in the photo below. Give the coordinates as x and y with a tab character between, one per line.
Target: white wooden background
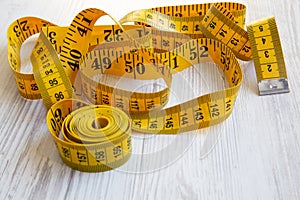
252	155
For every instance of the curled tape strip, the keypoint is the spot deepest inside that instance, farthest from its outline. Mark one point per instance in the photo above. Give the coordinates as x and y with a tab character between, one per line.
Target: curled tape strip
94	138
67	62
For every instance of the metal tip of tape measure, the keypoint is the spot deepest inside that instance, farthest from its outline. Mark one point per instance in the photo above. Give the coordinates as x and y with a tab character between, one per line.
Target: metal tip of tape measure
273	86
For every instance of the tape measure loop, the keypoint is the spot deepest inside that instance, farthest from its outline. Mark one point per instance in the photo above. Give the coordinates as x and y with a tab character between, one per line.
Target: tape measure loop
17	33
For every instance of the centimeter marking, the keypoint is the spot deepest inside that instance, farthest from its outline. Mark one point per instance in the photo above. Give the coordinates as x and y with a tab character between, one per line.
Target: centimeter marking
216	25
49	75
74	49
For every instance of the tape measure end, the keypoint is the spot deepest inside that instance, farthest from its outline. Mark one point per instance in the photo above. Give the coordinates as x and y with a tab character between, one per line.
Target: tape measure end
273	86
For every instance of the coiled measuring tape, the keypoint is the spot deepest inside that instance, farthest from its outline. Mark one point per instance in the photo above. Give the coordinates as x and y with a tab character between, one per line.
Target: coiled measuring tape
98	137
81	145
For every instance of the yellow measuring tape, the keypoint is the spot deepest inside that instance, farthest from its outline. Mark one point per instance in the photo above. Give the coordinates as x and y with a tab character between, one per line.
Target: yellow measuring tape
68	63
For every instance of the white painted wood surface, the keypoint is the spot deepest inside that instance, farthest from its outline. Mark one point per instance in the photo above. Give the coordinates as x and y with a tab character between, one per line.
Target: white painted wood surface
252	155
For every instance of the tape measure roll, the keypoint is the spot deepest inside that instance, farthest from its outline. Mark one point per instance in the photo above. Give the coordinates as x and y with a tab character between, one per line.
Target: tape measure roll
98	137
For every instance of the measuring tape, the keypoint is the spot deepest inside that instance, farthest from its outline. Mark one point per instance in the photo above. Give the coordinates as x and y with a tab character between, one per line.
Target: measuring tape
67	63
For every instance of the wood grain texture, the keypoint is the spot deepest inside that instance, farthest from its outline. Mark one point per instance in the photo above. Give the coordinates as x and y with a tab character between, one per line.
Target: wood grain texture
252	155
